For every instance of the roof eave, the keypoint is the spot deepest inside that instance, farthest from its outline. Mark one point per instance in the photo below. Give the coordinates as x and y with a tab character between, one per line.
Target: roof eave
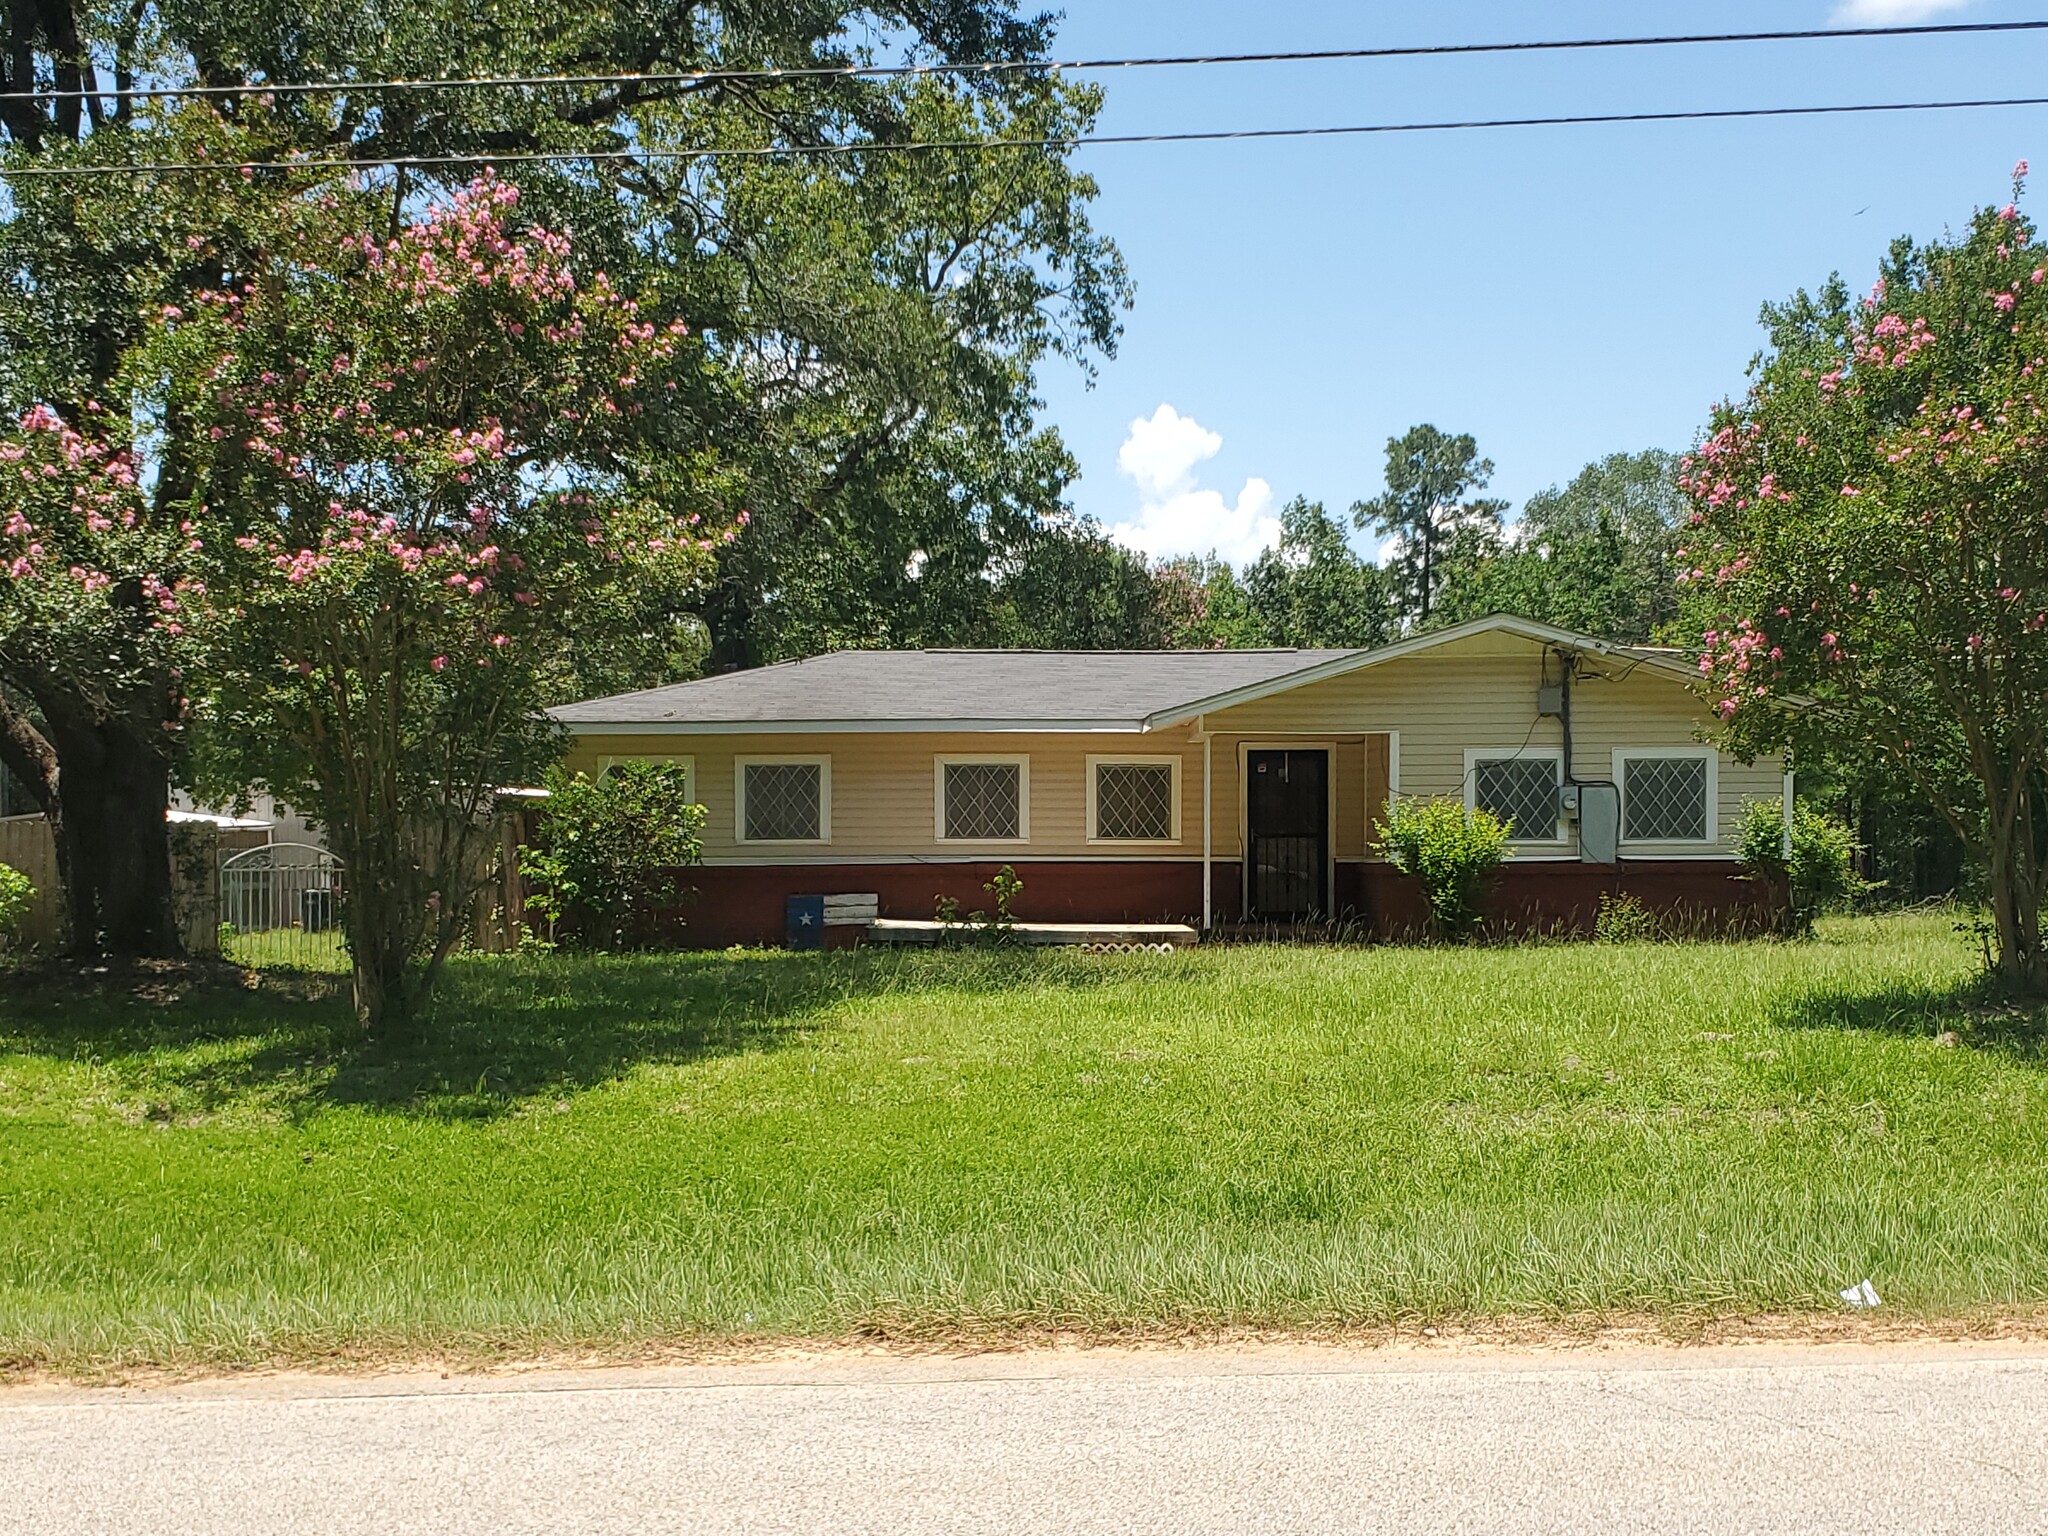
965	727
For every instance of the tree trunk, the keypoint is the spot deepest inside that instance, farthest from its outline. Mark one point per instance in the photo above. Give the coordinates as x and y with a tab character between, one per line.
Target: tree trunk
2016	913
382	942
112	843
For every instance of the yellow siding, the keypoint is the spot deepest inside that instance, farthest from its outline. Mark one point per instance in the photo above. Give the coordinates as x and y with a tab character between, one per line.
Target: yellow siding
1440	703
884	789
1434	705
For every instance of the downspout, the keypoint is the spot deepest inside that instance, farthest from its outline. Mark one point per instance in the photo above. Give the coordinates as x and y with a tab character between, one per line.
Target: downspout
1566	663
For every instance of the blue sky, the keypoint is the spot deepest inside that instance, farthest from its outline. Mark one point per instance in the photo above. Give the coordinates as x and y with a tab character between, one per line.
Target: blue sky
1562	293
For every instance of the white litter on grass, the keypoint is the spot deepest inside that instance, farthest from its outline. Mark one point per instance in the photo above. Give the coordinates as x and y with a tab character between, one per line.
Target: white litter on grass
1864	1295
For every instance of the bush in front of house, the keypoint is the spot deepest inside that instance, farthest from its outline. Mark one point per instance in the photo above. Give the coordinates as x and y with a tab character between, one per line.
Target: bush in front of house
1819	871
606	860
1623	919
1453	851
17	896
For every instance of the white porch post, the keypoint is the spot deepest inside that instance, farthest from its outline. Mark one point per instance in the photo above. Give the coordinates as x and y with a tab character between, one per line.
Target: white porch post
1785	837
1208	828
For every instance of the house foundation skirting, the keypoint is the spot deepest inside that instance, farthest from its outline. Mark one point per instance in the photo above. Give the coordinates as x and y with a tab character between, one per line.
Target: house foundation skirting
744	903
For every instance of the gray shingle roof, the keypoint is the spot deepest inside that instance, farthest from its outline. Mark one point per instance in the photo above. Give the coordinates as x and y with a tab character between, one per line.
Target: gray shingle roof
971	689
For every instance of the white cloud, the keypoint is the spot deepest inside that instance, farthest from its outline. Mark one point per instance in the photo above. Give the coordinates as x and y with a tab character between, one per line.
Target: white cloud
1891	13
1176	514
1163	450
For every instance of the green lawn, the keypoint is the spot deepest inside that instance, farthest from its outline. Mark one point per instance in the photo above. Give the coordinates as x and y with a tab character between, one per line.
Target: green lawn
594	1152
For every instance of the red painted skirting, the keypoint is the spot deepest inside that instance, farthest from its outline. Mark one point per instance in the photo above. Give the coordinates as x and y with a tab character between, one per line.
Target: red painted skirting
743	904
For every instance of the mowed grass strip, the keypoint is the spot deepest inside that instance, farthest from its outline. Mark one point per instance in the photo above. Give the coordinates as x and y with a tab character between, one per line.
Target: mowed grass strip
592	1152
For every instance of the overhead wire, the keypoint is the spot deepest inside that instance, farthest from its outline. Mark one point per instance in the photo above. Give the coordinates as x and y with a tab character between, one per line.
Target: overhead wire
769	75
1059	142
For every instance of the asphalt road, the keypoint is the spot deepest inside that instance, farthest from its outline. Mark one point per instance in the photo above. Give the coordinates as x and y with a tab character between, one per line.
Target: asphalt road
1859	1442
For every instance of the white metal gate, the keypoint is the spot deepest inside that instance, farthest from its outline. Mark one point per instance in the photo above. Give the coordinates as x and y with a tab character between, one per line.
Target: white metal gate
281	905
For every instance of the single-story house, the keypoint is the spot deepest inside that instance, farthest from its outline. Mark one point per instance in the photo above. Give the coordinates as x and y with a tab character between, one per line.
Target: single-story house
1211	787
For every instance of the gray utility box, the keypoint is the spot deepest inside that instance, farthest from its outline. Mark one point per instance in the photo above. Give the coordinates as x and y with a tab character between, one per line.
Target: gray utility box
1599	823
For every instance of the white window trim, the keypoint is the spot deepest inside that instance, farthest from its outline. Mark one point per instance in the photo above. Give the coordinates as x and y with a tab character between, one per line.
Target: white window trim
1133	759
1710	756
740	765
686	763
1474	756
1020	761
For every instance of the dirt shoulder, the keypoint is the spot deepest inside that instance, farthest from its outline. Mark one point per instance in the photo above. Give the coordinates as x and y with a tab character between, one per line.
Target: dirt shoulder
1509	1343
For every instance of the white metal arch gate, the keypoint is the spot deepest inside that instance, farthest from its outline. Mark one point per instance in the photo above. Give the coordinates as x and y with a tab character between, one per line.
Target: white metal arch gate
281	905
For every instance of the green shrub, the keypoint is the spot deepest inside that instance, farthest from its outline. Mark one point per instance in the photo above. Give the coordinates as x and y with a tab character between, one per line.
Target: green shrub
1821	869
17	895
1452	851
609	851
998	929
1623	919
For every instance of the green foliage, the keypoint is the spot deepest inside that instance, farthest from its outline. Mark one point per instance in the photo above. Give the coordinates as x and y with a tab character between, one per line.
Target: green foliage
608	856
1312	589
17	896
1623	919
1070	586
1869	535
992	928
1820	869
1595	556
1427	507
1451	850
1005	887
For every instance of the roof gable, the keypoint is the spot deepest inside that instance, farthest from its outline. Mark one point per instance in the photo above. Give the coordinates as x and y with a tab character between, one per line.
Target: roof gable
1353	661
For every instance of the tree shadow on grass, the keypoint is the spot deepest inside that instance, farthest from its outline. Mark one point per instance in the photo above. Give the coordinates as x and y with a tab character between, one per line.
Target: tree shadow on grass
499	1033
1972	1014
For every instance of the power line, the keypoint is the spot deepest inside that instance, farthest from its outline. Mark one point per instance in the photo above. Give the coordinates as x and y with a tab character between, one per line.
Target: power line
1019	66
800	151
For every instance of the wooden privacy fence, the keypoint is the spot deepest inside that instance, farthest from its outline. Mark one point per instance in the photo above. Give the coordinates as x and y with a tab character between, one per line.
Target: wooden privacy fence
26	845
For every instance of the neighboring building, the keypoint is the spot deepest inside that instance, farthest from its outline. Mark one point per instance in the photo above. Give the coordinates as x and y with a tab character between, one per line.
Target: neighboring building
1207	786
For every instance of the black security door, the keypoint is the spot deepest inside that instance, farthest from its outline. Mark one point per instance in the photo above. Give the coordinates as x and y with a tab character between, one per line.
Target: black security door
1288	811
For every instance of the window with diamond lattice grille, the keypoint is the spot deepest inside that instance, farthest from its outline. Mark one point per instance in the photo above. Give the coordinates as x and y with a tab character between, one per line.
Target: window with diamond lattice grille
784	802
1664	799
1134	802
1521	791
984	802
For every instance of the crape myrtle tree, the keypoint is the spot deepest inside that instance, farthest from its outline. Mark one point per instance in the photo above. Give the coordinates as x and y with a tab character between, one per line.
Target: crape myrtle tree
418	462
876	317
1869	534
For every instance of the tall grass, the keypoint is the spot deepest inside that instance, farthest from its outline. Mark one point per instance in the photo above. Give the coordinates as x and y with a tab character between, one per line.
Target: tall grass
592	1151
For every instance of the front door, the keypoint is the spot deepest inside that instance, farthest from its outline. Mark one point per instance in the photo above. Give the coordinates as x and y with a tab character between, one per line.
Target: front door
1287	804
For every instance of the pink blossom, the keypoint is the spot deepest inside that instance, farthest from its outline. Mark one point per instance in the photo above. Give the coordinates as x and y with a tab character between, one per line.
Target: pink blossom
439	663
